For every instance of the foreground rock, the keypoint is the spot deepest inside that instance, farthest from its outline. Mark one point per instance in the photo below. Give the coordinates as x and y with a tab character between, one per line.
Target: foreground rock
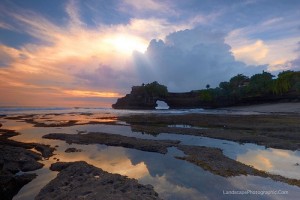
79	180
12	161
16	157
159	146
11	184
213	160
72	150
5	134
44	121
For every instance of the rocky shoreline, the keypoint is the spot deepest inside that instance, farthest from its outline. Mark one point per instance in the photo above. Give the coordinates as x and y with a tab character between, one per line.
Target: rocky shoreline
276	131
211	159
158	146
79	180
17	158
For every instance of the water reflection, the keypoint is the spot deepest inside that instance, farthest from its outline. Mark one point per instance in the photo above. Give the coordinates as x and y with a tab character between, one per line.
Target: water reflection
274	161
171	178
80	118
29	191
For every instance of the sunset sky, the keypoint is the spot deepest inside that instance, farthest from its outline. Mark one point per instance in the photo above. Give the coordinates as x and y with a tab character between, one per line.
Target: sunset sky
90	52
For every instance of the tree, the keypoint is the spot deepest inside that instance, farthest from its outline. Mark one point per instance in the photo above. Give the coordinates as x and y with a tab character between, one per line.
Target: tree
261	83
286	81
225	86
156	89
207	86
238	81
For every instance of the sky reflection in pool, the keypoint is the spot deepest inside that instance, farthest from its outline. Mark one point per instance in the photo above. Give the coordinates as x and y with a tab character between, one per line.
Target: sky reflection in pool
171	178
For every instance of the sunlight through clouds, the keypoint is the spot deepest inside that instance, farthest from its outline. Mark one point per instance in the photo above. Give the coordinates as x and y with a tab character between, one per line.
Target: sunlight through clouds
67	50
94	46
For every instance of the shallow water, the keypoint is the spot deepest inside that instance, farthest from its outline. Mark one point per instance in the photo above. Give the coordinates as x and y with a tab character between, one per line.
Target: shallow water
171	178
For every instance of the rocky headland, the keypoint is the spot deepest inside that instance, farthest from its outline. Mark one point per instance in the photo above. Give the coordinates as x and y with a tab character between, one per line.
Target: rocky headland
240	90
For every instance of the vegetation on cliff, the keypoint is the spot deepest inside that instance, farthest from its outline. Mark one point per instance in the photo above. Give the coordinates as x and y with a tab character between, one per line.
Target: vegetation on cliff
156	89
240	89
263	85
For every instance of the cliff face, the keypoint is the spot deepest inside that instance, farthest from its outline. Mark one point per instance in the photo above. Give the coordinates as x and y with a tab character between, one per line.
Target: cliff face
240	90
140	98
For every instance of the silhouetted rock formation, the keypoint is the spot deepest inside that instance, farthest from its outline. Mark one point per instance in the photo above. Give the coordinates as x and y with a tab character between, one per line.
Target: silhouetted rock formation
240	90
139	99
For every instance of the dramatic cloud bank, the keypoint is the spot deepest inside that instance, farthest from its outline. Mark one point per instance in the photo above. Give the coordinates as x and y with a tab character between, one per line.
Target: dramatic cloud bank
190	59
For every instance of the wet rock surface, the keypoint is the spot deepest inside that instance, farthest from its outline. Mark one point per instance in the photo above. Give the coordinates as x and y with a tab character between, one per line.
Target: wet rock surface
213	160
5	134
159	146
79	180
10	184
276	131
15	159
72	150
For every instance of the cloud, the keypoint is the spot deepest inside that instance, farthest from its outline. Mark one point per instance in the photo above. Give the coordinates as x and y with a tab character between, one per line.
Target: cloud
4	25
74	14
190	59
81	93
85	50
291	64
146	7
295	64
252	53
271	41
7	55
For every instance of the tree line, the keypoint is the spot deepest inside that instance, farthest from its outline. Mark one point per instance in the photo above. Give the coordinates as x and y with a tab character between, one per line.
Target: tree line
259	85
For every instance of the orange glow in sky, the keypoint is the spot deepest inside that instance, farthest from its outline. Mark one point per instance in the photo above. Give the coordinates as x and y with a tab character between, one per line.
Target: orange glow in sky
74	53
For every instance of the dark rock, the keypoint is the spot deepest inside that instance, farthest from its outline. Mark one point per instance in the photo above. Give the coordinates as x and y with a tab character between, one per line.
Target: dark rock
6	133
11	184
159	146
71	150
276	131
213	160
139	98
45	150
80	180
17	159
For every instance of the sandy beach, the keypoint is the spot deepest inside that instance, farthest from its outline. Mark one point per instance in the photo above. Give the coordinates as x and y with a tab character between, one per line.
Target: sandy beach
269	108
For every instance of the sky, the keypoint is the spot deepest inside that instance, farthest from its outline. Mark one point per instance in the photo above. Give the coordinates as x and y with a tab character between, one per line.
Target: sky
91	52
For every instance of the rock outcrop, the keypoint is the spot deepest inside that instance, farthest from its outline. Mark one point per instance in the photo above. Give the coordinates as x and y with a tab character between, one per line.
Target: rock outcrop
16	158
79	180
140	98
